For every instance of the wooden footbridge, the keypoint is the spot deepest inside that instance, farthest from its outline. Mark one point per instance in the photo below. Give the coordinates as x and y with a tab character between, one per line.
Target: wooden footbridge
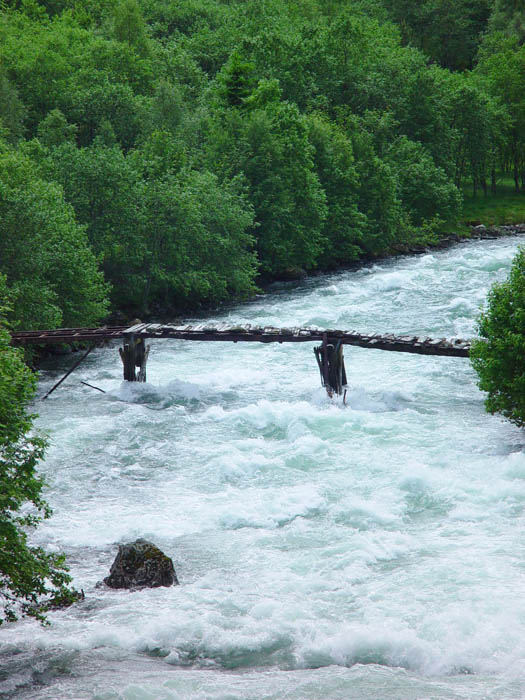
329	354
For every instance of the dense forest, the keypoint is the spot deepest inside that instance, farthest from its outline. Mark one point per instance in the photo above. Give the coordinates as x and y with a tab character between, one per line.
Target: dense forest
158	155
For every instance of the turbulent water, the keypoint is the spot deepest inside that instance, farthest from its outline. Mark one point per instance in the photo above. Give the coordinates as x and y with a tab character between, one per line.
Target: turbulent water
374	550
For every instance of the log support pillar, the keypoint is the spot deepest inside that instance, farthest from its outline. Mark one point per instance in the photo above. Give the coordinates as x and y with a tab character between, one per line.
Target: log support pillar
331	365
134	354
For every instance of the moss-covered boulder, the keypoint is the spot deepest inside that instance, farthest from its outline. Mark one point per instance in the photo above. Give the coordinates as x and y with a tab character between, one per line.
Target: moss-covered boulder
141	564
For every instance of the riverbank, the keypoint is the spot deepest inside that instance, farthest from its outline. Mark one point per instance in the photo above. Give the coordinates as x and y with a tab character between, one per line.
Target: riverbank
503	207
478	231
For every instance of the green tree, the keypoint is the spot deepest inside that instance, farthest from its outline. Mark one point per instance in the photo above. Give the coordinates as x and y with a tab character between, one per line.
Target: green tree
478	123
499	356
198	244
161	154
344	225
423	188
39	58
446	30
54	129
129	25
508	17
93	105
386	224
236	80
167	107
269	145
12	111
51	272
504	74
31	580
57	64
106	193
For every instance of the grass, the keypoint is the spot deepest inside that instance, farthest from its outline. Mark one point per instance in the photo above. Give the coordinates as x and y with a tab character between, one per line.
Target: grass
503	207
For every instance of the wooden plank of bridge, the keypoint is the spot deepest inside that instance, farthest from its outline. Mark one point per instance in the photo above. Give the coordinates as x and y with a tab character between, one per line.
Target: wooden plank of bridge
234	333
132	330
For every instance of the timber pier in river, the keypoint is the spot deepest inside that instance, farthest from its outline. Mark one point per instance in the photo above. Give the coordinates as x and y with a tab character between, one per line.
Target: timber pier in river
329	353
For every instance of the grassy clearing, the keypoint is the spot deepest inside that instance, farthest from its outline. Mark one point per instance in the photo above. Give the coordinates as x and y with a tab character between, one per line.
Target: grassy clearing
504	207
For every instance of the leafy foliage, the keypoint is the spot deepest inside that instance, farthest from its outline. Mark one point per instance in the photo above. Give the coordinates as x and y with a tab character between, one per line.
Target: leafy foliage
508	17
344	226
198	246
424	189
51	272
269	146
447	30
106	194
31	580
12	111
503	71
334	130
499	356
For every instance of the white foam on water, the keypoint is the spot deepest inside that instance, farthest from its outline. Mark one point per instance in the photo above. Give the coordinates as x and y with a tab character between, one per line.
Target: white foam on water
324	550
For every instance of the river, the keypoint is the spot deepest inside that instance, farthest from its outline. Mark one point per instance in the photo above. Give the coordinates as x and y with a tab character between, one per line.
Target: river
374	550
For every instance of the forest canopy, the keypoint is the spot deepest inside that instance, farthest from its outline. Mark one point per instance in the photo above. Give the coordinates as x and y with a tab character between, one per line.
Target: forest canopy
164	155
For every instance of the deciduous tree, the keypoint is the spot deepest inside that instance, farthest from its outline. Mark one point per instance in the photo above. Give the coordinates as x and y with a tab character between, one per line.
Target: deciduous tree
499	356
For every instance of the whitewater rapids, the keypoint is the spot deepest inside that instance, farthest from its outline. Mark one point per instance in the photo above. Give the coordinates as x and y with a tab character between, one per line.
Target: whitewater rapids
375	550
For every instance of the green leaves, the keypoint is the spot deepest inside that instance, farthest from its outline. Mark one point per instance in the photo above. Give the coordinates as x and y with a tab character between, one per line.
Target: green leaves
448	31
199	248
269	146
499	356
236	80
106	193
12	111
129	25
423	188
503	73
342	139
27	574
51	272
345	225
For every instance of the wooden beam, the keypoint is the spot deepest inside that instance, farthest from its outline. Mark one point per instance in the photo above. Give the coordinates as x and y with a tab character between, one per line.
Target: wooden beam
236	333
66	375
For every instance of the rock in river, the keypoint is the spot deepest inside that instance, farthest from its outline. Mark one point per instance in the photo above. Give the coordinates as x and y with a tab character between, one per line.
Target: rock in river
141	564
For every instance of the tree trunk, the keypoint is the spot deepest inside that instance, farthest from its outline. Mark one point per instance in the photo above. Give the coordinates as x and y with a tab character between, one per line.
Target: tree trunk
493	179
516	165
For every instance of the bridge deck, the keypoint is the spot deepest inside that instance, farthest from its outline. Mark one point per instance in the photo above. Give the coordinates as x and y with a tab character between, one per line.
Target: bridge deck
248	333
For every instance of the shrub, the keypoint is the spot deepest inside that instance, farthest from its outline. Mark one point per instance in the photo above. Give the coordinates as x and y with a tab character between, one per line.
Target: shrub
499	355
31	580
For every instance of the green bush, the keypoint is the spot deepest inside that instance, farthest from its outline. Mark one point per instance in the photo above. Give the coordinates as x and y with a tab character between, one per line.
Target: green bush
499	356
28	575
